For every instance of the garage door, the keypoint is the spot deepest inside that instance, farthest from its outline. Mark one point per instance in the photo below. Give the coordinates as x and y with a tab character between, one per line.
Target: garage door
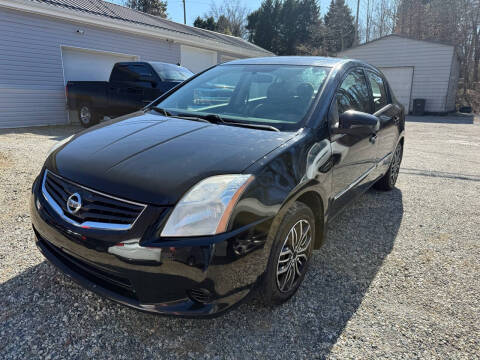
90	65
400	80
196	59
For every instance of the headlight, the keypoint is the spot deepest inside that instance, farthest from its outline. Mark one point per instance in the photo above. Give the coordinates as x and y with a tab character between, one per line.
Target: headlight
206	208
58	144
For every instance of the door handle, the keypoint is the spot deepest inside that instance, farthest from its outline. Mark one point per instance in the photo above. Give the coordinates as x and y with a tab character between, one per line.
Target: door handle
373	138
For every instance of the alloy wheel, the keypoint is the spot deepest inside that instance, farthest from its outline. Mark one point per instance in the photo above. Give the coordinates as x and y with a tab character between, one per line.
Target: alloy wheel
397	159
293	256
85	115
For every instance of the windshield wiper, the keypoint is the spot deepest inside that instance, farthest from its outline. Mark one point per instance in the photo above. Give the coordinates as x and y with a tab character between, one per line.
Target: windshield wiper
190	117
177	116
160	110
220	120
213	119
253	126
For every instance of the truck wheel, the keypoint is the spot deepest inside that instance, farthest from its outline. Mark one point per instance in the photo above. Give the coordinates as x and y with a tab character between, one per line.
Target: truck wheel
87	116
290	255
387	181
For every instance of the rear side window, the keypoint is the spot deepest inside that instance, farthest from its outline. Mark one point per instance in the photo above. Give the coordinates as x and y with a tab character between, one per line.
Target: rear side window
120	73
378	91
140	71
130	72
170	72
353	94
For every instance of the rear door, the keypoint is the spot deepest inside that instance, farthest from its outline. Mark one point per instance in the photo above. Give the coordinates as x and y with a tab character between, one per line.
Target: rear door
354	155
388	114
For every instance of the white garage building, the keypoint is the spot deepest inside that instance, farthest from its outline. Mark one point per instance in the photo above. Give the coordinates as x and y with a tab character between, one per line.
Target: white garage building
45	43
415	69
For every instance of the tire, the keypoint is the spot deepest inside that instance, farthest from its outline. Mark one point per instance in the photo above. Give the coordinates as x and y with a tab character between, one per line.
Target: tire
283	276
387	181
87	115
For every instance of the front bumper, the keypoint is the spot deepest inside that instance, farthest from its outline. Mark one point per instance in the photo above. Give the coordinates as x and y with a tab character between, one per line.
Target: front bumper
192	277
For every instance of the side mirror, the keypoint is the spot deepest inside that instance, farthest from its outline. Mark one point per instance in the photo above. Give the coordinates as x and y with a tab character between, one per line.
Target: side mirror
358	123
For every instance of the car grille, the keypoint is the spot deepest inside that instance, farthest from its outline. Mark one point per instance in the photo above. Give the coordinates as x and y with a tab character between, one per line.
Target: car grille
97	210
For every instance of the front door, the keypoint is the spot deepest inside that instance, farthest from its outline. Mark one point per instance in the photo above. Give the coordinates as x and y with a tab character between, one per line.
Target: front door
354	156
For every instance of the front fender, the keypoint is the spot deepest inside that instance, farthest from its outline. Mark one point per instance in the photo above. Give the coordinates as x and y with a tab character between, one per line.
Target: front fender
296	171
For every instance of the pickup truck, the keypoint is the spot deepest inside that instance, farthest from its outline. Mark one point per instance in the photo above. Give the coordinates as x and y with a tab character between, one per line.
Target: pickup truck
131	86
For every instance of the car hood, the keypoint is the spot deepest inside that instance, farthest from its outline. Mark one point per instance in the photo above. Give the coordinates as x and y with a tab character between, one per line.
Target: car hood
154	159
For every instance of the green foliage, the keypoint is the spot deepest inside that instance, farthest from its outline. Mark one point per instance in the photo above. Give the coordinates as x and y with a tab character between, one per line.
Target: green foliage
295	27
228	18
288	27
340	28
263	25
222	25
208	23
152	7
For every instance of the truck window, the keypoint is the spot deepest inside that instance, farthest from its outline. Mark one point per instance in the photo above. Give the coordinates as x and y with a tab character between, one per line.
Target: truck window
130	72
170	72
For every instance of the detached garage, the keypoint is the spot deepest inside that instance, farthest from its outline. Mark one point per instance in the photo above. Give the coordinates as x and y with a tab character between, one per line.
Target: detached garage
415	69
46	43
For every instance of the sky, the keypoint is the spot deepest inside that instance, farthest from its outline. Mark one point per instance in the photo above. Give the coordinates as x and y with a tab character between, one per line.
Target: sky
201	7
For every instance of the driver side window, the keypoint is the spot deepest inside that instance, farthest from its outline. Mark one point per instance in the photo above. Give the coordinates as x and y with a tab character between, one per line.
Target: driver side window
353	93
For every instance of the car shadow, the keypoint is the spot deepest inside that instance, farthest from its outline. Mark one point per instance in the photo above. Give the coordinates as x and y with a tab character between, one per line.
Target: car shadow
462	119
42	303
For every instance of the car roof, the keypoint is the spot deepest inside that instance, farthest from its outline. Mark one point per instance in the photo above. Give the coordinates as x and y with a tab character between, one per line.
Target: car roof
291	60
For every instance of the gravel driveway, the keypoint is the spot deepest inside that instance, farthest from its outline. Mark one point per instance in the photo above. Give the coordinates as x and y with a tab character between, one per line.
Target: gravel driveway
397	278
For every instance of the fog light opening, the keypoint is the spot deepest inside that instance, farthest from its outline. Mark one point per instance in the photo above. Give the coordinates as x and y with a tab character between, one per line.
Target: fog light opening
200	295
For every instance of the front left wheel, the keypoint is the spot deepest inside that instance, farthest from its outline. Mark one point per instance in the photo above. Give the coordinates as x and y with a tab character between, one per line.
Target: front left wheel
290	255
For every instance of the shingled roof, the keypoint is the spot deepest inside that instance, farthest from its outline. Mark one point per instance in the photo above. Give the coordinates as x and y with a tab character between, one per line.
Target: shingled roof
108	10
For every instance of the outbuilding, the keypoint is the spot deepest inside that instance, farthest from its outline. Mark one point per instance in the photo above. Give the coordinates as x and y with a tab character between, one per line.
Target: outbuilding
415	69
45	43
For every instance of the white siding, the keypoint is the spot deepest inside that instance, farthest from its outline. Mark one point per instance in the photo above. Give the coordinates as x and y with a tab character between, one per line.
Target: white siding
431	61
224	56
31	74
453	85
196	59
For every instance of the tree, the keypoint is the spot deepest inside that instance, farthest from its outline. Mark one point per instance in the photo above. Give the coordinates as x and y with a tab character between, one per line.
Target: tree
454	22
340	28
152	7
208	23
224	26
231	17
228	18
263	25
291	27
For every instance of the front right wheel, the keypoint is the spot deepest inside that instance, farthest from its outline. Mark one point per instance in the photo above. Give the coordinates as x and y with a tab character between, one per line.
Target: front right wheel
290	255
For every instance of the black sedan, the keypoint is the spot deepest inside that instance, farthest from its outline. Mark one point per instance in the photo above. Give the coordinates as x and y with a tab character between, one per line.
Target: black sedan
187	206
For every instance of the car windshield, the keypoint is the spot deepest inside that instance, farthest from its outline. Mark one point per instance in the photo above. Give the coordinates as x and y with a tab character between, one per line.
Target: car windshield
275	95
170	72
